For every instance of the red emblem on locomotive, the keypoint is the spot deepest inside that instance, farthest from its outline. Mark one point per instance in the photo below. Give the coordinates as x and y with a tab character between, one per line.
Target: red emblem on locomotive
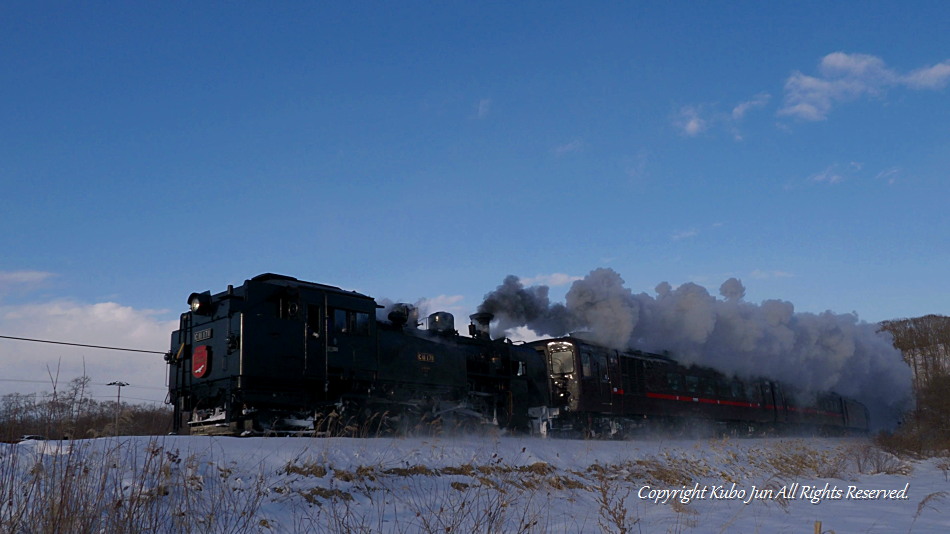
201	361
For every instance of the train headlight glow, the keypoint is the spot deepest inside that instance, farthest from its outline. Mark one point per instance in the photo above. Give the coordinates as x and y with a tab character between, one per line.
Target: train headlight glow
200	303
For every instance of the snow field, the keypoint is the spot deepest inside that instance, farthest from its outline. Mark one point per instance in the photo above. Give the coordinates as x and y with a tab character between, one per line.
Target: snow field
467	484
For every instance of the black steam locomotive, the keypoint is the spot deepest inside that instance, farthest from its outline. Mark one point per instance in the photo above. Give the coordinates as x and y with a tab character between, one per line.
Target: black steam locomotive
279	356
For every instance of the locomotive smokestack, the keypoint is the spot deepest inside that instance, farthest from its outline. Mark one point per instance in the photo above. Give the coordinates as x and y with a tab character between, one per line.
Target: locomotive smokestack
480	325
400	314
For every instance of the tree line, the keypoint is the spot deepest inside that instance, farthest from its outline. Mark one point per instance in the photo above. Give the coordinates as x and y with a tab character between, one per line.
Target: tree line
69	413
925	344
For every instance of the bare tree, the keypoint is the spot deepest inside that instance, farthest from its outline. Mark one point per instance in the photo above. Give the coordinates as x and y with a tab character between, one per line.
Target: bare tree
925	344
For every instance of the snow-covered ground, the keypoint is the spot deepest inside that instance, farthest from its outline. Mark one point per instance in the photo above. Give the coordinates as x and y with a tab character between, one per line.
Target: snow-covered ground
467	484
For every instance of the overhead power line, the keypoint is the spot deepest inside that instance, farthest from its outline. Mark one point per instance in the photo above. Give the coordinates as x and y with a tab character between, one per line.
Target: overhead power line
47	381
81	345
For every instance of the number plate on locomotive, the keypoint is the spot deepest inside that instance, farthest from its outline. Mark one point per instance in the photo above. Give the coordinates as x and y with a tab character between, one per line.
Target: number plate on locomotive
202	335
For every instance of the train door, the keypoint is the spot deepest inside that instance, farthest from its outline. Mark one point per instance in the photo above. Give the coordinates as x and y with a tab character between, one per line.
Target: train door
315	367
773	402
561	363
595	380
351	342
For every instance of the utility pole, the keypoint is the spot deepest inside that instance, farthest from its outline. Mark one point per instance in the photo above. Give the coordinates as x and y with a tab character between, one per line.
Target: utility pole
118	402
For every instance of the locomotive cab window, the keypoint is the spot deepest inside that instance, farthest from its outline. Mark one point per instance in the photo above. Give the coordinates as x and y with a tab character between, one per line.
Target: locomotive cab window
350	322
361	323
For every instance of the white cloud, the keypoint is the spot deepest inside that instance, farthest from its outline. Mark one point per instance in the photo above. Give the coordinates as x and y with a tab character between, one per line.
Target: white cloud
689	121
484	107
635	167
105	324
694	120
693	232
684	235
829	175
567	148
867	68
758	101
889	175
761	275
934	77
552	280
18	278
847	77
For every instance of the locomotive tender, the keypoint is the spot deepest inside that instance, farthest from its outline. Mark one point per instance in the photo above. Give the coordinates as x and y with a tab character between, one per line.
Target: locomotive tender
280	355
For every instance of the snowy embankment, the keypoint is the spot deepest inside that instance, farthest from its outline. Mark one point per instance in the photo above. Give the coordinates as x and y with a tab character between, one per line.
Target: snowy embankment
468	484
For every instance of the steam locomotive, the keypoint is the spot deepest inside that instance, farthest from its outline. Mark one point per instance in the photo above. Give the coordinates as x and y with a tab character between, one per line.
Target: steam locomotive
278	355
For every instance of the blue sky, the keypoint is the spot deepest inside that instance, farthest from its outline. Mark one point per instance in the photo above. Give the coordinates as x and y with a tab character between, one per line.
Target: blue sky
427	150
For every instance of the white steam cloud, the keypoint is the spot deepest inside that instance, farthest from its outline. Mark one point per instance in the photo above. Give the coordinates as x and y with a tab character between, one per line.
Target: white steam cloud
811	352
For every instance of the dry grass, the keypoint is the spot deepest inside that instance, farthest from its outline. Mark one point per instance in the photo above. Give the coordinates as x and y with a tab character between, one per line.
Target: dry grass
69	487
123	489
943	464
871	460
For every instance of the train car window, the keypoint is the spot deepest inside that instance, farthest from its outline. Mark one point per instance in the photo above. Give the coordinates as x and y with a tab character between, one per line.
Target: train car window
692	384
562	358
360	323
785	397
753	393
602	370
738	391
339	321
585	364
723	389
629	375
655	377
674	381
708	386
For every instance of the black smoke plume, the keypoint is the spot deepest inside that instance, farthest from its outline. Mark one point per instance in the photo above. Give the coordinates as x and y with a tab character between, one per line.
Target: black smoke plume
810	352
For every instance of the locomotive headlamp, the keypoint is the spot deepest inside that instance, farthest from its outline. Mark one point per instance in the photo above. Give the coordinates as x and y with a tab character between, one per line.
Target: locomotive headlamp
200	303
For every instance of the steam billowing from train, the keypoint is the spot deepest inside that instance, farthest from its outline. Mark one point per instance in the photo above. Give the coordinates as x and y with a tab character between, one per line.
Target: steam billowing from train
812	352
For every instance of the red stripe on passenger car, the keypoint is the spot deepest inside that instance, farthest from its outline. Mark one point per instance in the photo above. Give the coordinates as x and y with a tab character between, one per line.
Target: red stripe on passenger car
687	398
772	407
